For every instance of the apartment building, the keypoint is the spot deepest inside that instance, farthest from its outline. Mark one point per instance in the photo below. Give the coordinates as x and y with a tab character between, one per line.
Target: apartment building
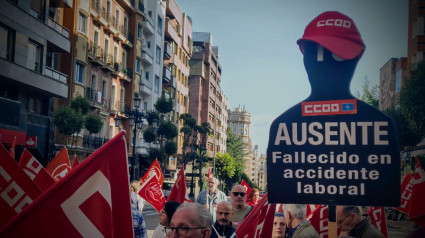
416	31
239	121
392	75
258	173
33	45
207	102
177	53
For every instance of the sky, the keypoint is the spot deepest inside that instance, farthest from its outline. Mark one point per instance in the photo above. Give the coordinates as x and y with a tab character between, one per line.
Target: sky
262	66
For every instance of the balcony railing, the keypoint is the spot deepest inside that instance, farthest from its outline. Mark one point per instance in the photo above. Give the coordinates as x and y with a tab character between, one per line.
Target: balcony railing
95	4
58	27
93	142
55	75
94	95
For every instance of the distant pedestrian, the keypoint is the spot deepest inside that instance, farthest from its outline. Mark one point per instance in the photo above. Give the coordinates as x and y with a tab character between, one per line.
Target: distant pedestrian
135	185
139	225
165	218
254	197
240	209
279	225
298	226
352	223
223	226
212	197
191	220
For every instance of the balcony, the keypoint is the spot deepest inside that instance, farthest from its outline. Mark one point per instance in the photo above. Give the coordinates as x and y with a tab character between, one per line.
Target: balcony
173	9
167	51
141	8
95	97
171	32
114	26
58	27
95	53
95	9
128	74
148	26
123	33
166	75
128	4
147	55
116	106
171	83
145	87
129	41
61	77
104	18
117	67
109	62
93	143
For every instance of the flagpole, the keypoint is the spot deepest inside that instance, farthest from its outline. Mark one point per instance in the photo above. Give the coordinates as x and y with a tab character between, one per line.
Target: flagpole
332	228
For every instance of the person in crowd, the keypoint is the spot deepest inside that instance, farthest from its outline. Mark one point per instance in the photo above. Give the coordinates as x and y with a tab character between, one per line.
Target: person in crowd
190	220
139	225
240	209
223	226
352	223
212	197
298	226
254	197
279	225
165	216
135	185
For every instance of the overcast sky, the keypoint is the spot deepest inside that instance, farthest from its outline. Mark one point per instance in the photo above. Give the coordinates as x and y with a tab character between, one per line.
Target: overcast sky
262	66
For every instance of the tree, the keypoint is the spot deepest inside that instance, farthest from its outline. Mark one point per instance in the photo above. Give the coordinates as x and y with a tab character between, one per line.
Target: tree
190	136
68	121
369	95
412	100
93	123
225	168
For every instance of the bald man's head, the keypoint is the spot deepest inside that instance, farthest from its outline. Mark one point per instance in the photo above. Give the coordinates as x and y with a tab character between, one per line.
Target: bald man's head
224	213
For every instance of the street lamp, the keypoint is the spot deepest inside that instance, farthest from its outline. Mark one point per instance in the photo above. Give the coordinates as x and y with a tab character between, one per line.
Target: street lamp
136	122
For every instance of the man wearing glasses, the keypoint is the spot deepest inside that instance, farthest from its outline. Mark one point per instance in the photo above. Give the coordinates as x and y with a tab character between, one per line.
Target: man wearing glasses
352	223
240	209
190	220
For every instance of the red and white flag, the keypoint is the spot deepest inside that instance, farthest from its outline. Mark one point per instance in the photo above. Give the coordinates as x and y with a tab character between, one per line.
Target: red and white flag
209	172
259	222
12	148
92	201
152	193
75	162
319	219
406	193
417	205
35	171
247	187
60	165
154	169
377	217
178	192
16	188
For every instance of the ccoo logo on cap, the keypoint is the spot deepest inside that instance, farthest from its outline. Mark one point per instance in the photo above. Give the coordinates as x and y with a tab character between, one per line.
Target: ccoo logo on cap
336	32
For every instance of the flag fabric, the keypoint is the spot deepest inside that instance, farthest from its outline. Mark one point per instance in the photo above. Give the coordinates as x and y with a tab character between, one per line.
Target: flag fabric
406	193
60	165
310	209
91	201
259	222
152	193
12	148
154	169
319	219
75	162
280	208
35	171
209	172
377	217
248	189
178	192
417	205
16	188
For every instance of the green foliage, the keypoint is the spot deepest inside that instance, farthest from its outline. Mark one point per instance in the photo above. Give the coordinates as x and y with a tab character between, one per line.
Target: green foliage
235	145
152	115
157	153
164	105
412	99
81	104
68	121
170	147
93	123
369	95
167	129
149	135
225	166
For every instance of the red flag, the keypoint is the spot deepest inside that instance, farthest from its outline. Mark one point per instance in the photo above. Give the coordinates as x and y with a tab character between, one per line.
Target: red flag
152	193
247	187
377	217
12	148
16	189
417	205
319	220
259	221
92	201
178	192
35	171
60	165
406	192
280	208
310	209
75	162
154	169
209	172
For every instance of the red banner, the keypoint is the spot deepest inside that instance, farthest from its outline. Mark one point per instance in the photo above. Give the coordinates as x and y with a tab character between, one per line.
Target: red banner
16	189
406	192
259	222
91	201
377	217
319	220
6	136
248	189
178	192
417	205
35	171
75	162
31	141
60	165
152	193
154	169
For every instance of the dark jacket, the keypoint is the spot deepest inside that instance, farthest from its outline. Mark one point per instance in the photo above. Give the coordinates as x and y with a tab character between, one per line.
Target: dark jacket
222	230
365	229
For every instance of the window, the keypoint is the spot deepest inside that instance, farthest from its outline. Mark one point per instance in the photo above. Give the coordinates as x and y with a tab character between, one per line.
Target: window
156	83
6	43
137	65
104	89
139	31
159	25
78	73
158	55
398	81
147	75
34	56
82	23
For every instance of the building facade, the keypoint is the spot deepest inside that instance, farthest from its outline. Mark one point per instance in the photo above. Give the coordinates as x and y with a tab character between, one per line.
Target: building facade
392	76
33	45
416	32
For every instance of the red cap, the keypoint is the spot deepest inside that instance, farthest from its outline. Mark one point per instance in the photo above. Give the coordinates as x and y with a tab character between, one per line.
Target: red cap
336	32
